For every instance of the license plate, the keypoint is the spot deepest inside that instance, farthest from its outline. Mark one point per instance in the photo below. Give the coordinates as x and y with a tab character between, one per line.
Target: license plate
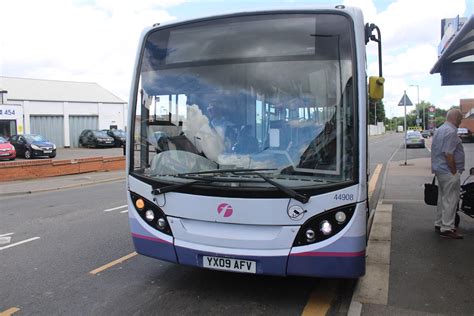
229	264
48	151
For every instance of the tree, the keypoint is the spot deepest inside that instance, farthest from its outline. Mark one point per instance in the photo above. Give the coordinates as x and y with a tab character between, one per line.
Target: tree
380	111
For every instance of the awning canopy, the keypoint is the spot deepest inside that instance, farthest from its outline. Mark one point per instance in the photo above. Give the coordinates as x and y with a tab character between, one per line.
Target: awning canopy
456	63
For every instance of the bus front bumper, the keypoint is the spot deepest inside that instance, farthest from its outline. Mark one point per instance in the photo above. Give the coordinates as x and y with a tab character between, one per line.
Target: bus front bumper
272	262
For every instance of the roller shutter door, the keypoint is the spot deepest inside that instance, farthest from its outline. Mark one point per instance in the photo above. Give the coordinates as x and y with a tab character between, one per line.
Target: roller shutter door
49	126
79	123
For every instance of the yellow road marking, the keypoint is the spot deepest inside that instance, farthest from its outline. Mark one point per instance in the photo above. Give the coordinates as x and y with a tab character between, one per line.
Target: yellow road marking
111	264
9	311
373	180
320	300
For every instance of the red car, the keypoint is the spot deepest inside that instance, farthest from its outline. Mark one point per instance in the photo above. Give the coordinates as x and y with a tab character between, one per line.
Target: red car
7	151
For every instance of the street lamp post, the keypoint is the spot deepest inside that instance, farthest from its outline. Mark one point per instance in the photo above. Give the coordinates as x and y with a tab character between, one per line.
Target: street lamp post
418	103
375	114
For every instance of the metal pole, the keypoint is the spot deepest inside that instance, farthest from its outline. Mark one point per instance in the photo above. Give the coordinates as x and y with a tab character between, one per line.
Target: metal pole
375	108
405	123
423	106
418	97
418	104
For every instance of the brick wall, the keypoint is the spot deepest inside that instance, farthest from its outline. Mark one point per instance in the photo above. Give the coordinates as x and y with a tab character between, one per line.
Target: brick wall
466	105
30	169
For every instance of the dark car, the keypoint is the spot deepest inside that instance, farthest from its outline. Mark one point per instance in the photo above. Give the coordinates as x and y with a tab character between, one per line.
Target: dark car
95	138
426	133
465	134
119	136
7	150
33	145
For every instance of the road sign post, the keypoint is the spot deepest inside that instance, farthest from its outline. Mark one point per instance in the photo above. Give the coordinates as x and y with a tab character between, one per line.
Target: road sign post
405	101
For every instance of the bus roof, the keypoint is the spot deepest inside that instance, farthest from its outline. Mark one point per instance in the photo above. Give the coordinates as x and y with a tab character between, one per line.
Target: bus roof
353	12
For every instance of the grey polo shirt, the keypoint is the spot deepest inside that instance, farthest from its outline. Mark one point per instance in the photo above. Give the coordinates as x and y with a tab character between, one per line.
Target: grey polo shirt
446	141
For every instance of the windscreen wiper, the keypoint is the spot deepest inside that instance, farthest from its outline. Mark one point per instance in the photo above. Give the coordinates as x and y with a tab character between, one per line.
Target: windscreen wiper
173	187
198	179
303	198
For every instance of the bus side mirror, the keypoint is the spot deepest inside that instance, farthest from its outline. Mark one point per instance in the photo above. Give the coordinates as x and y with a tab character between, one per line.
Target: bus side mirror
376	87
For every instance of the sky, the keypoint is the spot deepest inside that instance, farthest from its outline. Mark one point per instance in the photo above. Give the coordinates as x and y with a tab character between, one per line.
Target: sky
96	40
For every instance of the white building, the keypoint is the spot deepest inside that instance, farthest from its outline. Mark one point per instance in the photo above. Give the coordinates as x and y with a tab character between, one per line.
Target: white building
58	110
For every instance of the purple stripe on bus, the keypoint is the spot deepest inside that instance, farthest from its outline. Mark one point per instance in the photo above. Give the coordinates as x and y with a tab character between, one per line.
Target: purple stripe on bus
329	254
152	247
326	267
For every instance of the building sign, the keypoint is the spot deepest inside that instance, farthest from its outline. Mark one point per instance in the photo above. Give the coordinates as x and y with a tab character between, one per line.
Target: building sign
12	112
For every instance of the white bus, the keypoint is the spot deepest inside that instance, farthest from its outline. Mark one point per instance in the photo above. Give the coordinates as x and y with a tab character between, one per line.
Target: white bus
247	150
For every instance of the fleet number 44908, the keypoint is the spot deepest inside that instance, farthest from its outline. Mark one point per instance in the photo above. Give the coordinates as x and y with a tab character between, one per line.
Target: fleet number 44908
344	197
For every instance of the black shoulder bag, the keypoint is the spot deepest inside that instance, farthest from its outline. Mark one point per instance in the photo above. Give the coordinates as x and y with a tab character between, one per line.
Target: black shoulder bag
431	193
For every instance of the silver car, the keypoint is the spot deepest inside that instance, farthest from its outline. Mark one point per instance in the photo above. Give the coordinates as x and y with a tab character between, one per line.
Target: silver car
415	139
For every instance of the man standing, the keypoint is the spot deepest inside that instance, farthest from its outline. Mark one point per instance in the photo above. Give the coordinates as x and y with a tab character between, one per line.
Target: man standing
447	163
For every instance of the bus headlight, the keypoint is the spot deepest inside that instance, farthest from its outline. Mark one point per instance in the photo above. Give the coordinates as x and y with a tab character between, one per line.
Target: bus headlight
161	223
310	235
325	228
341	217
151	214
324	225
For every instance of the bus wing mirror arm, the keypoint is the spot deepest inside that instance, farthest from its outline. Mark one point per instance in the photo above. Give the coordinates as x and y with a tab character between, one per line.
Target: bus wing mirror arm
369	28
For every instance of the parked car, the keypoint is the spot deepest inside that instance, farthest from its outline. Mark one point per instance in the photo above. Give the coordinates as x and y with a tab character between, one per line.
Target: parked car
426	133
95	138
414	139
33	145
118	135
465	134
7	150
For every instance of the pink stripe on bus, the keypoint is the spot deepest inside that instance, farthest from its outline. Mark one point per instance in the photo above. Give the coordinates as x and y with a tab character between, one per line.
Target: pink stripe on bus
151	238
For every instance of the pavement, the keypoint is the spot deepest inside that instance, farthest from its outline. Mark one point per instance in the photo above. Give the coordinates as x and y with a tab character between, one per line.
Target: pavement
411	269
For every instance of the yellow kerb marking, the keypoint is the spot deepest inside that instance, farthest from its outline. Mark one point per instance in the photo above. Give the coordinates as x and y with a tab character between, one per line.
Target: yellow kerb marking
9	311
374	179
111	264
320	300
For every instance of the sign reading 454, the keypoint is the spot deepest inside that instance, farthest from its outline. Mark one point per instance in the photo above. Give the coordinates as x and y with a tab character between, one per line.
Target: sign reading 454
11	112
7	111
